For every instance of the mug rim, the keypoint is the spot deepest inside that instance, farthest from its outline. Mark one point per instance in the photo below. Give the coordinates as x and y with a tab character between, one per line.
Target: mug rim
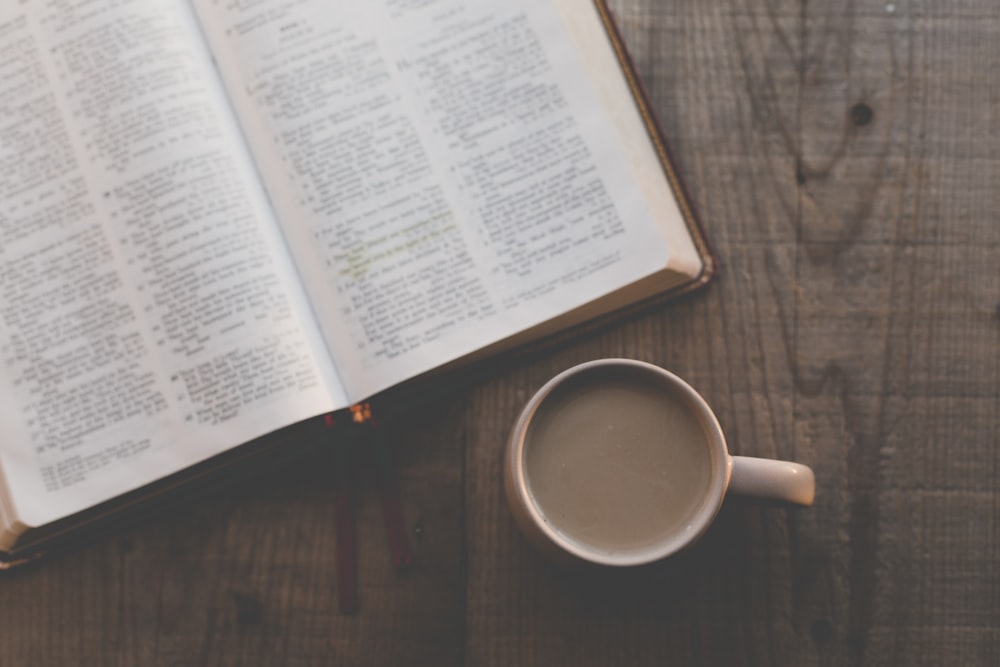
699	522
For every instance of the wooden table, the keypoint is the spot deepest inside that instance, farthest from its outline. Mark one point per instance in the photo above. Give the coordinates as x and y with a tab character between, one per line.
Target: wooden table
846	162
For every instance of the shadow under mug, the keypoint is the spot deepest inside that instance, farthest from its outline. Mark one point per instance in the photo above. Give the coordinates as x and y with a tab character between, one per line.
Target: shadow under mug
767	479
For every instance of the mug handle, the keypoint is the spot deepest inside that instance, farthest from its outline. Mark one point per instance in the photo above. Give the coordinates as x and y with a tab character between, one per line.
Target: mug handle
769	479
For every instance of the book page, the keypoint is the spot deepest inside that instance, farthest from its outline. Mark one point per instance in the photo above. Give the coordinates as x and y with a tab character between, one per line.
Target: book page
149	315
443	170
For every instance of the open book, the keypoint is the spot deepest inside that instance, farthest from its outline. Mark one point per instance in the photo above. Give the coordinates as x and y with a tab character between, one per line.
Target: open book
219	219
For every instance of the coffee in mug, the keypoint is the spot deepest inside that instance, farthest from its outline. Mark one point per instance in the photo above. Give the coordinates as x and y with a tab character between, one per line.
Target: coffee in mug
620	462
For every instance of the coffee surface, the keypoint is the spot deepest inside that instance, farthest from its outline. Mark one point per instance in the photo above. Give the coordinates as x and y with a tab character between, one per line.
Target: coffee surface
615	462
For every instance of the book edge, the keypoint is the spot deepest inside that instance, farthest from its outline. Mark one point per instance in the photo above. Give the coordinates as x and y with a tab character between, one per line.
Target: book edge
695	228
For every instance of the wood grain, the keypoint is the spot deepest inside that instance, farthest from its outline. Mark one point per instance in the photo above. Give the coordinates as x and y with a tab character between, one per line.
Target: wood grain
844	160
814	140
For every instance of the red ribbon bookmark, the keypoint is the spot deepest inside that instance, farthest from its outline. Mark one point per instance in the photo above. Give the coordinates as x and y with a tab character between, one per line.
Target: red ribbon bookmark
388	487
346	530
364	426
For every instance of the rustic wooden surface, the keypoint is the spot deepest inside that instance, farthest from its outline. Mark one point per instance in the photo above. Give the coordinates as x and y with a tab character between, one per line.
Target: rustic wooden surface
845	160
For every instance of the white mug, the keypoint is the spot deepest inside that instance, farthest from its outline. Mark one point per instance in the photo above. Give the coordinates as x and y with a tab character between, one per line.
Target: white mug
657	438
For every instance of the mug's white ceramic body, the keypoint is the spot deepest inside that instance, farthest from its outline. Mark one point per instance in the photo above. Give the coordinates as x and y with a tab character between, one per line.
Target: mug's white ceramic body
768	479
